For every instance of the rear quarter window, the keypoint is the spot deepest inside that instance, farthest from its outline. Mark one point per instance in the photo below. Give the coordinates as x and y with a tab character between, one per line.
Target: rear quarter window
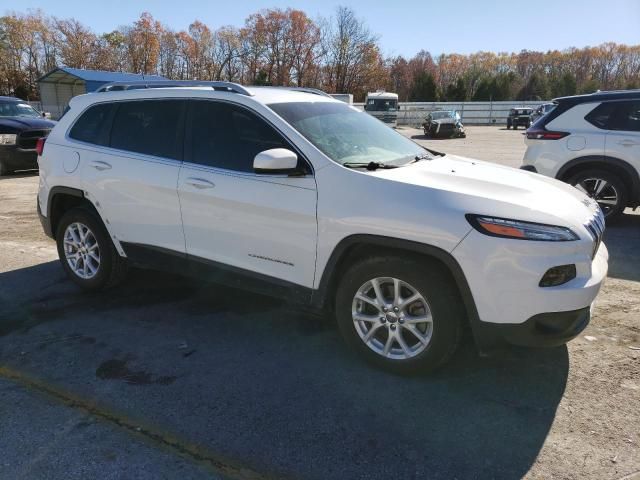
93	125
601	115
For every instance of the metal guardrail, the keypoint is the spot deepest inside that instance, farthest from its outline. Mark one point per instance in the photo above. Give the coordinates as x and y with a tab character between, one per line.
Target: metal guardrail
472	113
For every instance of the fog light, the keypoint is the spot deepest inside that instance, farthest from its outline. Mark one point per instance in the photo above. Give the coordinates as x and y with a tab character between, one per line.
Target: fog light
558	275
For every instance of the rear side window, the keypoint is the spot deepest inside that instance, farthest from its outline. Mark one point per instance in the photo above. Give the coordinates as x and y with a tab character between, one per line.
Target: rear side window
622	116
94	124
152	127
601	115
227	136
626	116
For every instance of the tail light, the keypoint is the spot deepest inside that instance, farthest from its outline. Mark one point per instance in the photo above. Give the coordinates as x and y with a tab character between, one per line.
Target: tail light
542	134
40	146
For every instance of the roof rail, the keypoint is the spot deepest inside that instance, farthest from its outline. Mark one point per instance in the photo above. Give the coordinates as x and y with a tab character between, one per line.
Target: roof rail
314	91
136	85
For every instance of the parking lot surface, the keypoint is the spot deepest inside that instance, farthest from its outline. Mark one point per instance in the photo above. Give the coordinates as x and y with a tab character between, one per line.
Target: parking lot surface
167	377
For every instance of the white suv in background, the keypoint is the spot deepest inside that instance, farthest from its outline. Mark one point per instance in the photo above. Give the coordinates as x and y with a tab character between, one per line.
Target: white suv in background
591	142
299	195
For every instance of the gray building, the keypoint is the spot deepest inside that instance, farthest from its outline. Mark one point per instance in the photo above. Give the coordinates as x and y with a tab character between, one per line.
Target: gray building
62	84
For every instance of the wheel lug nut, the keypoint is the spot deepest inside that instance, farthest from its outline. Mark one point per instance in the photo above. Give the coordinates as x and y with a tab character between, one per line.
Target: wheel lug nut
396	309
383	319
401	320
393	327
385	309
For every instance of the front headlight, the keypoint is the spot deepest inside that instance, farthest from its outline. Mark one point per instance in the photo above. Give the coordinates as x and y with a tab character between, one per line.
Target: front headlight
519	230
8	138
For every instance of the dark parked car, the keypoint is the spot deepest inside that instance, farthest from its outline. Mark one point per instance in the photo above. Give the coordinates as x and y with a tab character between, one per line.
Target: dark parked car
20	127
443	123
542	110
520	116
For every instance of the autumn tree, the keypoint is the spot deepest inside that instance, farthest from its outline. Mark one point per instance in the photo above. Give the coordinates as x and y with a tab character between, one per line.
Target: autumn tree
143	44
353	55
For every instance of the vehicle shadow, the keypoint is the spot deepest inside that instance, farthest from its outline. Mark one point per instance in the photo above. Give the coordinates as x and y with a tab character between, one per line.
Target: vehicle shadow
425	137
20	174
274	388
623	242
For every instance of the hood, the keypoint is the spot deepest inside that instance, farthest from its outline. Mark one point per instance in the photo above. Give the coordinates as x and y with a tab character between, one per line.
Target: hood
19	124
473	186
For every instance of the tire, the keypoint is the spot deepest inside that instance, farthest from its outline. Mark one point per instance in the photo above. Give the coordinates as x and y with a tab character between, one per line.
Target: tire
508	126
428	279
515	127
613	190
4	170
110	268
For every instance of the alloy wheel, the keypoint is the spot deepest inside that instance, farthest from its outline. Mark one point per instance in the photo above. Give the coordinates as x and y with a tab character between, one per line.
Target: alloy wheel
602	191
81	250
392	318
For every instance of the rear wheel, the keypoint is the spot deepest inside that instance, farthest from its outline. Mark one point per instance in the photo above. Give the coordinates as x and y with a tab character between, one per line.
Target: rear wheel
86	251
401	315
3	169
605	188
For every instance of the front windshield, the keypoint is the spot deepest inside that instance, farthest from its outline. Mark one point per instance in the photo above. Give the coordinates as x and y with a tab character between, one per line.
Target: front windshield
441	115
381	104
346	134
16	109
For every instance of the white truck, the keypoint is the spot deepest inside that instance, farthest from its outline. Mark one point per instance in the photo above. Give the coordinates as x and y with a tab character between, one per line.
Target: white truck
383	105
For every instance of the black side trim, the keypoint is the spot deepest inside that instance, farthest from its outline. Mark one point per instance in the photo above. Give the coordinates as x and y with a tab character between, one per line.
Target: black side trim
605	161
74	192
44	221
320	296
176	262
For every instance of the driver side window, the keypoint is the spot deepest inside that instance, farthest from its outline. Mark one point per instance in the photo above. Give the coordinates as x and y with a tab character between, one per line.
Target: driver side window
226	136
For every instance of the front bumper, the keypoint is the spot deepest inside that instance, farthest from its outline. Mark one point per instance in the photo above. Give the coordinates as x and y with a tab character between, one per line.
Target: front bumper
542	330
503	277
14	158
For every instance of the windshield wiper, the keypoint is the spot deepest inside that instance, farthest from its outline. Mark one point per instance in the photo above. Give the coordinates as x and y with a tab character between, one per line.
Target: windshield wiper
368	166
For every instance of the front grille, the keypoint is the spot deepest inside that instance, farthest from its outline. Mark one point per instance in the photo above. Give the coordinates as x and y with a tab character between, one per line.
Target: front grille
27	139
595	225
447	127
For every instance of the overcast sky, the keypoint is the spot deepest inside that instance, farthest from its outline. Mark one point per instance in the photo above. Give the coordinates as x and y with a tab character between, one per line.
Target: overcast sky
404	27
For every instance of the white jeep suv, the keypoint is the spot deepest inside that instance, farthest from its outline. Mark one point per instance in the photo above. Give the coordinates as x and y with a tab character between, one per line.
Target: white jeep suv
591	142
301	196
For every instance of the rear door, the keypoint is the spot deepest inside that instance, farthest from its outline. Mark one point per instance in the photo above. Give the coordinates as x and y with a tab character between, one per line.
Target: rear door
255	222
623	137
133	179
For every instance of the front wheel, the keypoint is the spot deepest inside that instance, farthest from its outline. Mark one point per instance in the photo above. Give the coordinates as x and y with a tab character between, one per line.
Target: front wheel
3	169
399	314
605	188
86	252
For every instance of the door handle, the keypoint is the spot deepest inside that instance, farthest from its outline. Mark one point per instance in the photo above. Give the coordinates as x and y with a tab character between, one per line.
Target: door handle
628	143
199	183
100	166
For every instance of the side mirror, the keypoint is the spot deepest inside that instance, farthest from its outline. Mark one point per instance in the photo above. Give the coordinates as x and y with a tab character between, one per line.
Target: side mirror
46	115
275	160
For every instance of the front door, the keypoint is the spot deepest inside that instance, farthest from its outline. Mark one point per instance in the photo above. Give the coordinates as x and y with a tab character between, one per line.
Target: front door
258	223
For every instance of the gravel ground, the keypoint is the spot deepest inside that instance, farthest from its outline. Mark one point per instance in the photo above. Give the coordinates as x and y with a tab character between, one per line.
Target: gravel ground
169	378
